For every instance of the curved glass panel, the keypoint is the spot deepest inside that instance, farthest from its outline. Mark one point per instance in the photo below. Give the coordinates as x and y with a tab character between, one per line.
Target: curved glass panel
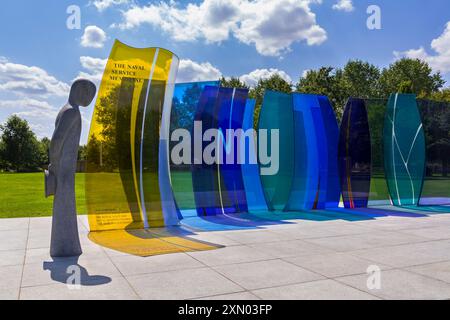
436	119
404	149
250	169
376	110
205	175
332	185
230	120
354	155
185	103
122	183
305	185
276	130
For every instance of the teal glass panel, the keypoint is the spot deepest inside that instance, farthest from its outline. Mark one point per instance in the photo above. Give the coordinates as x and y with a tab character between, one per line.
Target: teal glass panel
404	149
276	114
184	105
250	171
436	124
379	194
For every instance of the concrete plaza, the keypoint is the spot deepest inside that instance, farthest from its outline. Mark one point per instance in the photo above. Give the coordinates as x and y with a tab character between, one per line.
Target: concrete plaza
303	259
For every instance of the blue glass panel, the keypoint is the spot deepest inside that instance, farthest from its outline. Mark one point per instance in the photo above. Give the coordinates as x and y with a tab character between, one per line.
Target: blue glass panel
231	117
355	155
185	103
304	192
205	176
250	170
333	187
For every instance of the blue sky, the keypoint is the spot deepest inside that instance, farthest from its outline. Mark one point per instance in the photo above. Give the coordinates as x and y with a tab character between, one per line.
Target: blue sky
40	56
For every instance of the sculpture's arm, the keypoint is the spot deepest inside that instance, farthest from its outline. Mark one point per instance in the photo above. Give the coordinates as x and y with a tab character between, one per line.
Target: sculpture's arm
64	126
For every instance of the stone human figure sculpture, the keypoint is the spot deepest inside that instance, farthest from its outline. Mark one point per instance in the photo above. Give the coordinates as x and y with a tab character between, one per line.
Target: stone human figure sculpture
60	177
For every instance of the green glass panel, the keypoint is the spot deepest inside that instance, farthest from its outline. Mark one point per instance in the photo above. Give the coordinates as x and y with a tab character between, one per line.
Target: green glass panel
436	125
379	193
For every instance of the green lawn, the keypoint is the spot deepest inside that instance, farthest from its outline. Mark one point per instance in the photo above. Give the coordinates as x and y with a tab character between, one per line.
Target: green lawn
22	195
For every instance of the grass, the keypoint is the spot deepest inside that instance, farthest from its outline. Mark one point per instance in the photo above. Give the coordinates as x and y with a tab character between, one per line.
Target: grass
22	195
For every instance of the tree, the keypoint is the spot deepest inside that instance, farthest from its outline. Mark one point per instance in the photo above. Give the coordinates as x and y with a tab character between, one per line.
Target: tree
275	83
442	95
44	146
423	82
360	80
232	83
21	151
325	81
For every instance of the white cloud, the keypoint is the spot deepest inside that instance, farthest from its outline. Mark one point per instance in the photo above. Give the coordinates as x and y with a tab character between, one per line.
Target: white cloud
93	68
26	103
344	5
28	81
93	37
102	5
272	26
190	71
440	60
252	78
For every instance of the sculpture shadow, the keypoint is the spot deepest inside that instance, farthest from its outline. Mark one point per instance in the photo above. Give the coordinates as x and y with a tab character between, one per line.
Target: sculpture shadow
64	270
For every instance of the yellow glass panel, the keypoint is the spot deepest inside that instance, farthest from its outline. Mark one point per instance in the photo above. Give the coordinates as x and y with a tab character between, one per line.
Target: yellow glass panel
122	167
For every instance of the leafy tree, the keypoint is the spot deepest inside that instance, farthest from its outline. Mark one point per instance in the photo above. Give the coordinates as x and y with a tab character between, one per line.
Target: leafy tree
275	83
82	153
44	146
232	83
20	150
405	86
360	80
441	96
325	81
414	72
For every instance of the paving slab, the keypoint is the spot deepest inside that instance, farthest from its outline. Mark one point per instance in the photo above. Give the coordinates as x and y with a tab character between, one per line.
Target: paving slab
334	264
317	290
303	259
229	255
117	289
439	271
401	285
132	265
182	284
263	274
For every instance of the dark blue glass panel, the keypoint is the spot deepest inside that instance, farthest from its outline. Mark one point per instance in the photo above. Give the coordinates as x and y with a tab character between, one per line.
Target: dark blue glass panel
355	155
205	176
333	187
231	117
250	170
184	106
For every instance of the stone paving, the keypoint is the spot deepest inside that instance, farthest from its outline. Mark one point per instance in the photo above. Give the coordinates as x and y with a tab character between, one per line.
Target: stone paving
300	260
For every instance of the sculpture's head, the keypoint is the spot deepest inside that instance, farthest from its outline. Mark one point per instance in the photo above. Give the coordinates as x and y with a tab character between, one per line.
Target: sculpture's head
82	93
